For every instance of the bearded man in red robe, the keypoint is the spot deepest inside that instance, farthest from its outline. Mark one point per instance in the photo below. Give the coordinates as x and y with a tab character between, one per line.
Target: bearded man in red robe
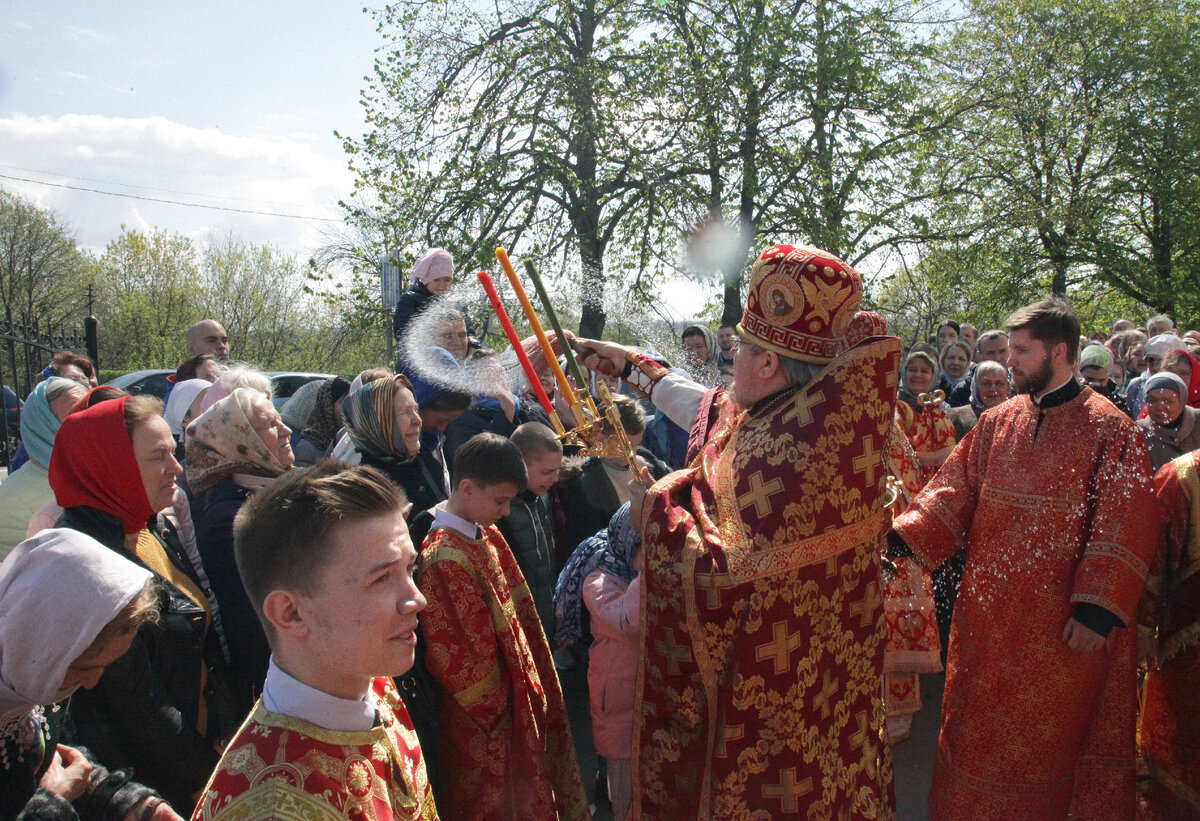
1050	495
763	624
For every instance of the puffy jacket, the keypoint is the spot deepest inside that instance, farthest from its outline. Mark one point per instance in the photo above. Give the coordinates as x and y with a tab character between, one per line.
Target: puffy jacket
143	713
529	530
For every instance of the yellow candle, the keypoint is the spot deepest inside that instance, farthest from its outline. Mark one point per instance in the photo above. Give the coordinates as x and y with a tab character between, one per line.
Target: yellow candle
564	387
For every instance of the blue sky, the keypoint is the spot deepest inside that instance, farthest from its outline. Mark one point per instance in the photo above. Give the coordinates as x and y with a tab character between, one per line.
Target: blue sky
225	104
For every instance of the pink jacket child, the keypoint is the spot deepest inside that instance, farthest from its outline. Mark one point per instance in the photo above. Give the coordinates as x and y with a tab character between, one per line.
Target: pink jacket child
601	575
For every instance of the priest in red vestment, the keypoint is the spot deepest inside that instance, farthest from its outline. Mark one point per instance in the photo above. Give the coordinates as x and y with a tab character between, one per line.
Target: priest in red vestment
1050	494
1170	721
504	747
762	647
328	565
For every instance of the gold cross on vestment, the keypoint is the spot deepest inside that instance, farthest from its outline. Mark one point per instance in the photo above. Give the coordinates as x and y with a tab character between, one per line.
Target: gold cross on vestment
802	412
733	733
712	584
788	790
868	462
675	653
828	690
864	608
760	494
780	647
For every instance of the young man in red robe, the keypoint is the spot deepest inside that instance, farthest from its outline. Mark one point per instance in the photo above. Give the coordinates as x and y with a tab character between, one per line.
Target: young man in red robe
1170	722
763	625
504	740
328	565
1050	495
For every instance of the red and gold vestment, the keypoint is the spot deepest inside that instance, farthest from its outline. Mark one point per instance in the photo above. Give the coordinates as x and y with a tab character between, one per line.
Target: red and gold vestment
763	636
1170	721
504	741
913	646
279	767
1053	515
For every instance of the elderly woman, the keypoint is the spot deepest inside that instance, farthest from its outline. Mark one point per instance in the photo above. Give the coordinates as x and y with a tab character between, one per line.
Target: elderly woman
1171	426
989	388
162	707
1186	367
234	448
27	490
384	425
81	605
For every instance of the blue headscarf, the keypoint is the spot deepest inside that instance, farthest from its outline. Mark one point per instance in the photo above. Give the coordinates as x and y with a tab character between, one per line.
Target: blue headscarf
611	549
429	386
39	425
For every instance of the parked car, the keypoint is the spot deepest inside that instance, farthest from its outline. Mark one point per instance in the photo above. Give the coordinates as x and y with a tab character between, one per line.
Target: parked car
284	384
12	410
153	382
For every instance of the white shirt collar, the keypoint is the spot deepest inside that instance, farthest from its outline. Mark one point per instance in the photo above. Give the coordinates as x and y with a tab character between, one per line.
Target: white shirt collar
443	517
282	693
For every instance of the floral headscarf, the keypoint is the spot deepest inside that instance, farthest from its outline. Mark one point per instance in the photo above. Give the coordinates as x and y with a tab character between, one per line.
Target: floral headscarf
324	425
221	442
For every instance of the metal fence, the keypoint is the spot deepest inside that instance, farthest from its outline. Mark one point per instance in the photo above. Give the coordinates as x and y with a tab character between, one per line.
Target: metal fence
26	348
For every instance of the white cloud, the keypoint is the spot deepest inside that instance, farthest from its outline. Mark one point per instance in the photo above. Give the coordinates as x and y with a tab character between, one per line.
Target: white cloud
164	160
85	36
73	75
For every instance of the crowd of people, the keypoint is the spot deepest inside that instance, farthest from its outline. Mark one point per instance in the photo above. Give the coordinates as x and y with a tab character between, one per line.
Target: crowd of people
361	606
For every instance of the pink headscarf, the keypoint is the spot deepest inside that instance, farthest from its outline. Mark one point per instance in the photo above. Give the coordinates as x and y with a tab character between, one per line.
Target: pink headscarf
436	264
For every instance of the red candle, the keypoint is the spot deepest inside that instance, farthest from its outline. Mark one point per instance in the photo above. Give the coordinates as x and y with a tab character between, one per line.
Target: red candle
515	341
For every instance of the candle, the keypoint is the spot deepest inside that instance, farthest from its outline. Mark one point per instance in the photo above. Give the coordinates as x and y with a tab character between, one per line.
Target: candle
514	340
564	387
553	317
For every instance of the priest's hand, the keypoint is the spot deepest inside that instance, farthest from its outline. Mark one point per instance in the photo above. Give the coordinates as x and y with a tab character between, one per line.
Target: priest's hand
606	357
1082	638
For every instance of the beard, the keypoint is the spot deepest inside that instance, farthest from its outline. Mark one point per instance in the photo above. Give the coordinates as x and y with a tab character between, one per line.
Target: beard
1035	382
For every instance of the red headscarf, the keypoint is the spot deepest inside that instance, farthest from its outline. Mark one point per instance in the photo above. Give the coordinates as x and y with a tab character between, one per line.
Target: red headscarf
1193	397
93	465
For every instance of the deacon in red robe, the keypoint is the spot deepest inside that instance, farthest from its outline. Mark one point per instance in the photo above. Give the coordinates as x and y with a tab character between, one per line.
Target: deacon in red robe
1170	720
1050	495
504	741
762	648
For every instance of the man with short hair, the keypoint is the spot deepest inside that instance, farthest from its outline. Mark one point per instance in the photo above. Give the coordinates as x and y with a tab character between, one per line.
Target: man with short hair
992	346
763	629
726	337
1049	494
968	333
328	565
208	336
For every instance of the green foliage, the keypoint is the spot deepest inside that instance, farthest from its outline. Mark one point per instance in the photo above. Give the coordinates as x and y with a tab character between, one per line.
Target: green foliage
43	275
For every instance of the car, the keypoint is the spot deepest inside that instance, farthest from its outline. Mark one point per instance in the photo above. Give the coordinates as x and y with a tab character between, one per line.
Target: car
284	384
12	411
153	382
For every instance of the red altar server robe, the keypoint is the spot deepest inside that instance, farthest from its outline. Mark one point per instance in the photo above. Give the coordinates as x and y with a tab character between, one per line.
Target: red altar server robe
762	651
1170	729
504	746
279	767
1052	516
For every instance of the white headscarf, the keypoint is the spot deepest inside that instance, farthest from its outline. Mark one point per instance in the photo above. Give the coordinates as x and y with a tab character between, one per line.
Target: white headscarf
181	398
58	590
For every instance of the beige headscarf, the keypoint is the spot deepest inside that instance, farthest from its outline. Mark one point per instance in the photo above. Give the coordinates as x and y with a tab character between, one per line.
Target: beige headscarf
221	442
58	590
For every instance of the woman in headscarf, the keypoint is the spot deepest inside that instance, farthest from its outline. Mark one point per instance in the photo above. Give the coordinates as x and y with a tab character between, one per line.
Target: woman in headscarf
27	490
163	707
602	575
68	607
1186	367
316	440
183	405
1172	427
924	415
955	381
384	425
234	448
989	388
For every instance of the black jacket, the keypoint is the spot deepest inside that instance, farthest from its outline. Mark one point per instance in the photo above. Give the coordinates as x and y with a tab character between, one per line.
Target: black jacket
488	420
212	514
421	479
143	713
